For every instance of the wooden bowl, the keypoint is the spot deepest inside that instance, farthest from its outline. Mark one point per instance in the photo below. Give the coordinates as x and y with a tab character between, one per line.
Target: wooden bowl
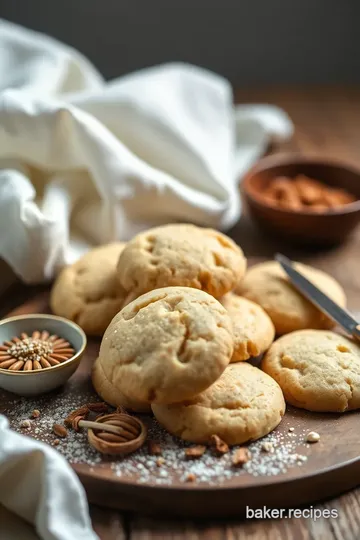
306	227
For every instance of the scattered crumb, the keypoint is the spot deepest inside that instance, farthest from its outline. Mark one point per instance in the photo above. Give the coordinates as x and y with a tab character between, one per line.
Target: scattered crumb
190	477
291	429
195	452
35	413
267	447
240	457
154	448
220	447
312	437
25	424
60	430
172	466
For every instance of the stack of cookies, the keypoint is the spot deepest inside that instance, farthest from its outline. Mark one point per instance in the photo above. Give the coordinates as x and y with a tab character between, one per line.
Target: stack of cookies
317	369
180	316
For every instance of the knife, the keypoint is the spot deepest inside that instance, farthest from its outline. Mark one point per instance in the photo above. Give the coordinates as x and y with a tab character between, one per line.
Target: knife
318	298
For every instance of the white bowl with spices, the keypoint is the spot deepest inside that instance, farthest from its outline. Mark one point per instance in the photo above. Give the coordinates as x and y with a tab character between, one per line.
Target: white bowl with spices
38	353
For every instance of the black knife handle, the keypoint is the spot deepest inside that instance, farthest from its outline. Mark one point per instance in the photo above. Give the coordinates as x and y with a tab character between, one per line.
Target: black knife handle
356	332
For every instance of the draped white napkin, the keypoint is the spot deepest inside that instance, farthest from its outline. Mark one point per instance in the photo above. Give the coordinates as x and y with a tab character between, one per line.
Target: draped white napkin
83	161
38	487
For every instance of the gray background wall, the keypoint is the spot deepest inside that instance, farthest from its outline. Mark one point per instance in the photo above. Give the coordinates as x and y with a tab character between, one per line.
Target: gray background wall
248	41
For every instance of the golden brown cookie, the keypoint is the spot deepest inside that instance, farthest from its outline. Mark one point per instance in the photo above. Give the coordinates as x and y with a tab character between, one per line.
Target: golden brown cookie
167	345
252	327
181	255
266	284
112	395
88	291
317	370
243	404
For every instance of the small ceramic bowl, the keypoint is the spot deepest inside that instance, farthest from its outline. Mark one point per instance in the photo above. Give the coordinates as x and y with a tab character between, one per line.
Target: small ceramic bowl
307	227
31	383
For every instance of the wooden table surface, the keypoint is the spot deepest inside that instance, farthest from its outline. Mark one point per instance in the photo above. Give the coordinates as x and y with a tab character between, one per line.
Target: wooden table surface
327	124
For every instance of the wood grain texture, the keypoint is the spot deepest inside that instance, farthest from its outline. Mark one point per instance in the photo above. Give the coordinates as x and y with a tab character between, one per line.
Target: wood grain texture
327	122
332	465
108	524
345	527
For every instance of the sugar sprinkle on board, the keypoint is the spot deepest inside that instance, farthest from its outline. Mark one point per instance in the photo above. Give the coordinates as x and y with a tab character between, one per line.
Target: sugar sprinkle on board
287	447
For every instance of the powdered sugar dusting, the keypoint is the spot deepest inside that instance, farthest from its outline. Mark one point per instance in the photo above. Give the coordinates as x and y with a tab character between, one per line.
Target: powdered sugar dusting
173	466
210	468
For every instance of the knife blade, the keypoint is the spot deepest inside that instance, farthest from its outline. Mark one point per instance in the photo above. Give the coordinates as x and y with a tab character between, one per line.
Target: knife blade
318	298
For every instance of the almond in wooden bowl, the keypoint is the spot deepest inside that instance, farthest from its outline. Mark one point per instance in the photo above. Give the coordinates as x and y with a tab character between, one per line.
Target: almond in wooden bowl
325	226
38	353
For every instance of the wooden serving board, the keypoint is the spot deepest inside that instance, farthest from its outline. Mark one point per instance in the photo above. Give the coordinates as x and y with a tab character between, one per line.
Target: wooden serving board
332	466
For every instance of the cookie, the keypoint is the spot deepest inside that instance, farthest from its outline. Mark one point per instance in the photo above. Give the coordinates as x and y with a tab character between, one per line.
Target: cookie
243	404
112	395
266	284
252	328
88	291
317	370
181	255
167	345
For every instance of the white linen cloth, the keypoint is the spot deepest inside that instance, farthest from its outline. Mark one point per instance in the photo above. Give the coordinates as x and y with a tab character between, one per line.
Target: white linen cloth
83	161
38	487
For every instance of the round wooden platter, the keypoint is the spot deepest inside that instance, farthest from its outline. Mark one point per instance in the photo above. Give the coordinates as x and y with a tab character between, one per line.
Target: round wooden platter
332	465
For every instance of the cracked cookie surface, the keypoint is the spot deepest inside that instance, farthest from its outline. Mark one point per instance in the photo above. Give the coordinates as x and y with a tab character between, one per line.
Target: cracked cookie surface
88	292
317	370
167	345
181	255
252	328
266	284
243	404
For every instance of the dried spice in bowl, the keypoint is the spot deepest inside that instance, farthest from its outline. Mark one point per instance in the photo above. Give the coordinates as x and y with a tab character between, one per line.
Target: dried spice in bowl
304	193
38	351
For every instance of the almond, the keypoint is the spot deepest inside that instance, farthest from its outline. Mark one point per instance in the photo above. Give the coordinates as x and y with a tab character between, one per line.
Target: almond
240	457
60	430
195	451
190	477
220	447
99	407
154	448
310	191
